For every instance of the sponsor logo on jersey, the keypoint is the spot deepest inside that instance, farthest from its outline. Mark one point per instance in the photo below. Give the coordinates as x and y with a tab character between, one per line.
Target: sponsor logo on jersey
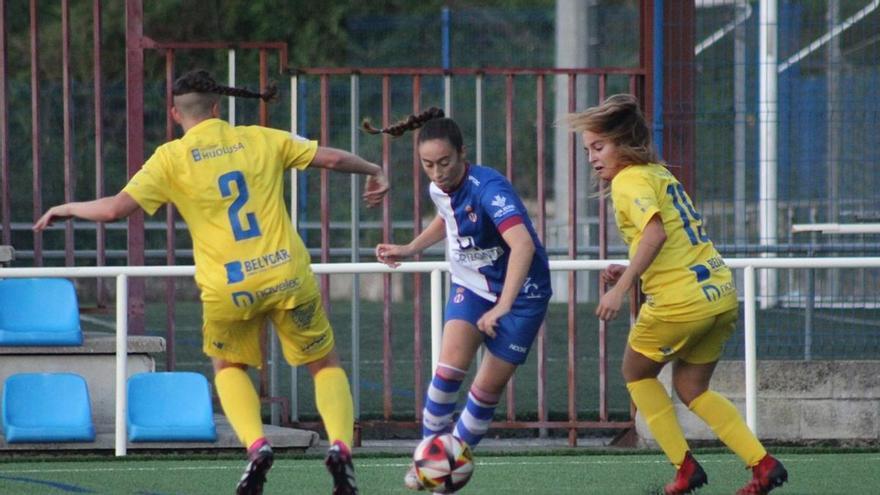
288	285
478	257
242	299
266	261
474	180
236	271
200	154
315	343
500	202
517	348
715	292
233	272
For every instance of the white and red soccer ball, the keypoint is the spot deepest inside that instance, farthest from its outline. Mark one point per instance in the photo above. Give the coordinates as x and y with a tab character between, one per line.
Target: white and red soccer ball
444	463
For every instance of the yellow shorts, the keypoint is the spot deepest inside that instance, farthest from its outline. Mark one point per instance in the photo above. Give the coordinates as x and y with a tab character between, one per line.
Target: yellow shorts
697	342
304	332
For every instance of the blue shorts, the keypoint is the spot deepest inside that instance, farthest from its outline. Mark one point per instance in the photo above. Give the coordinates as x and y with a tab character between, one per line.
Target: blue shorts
516	330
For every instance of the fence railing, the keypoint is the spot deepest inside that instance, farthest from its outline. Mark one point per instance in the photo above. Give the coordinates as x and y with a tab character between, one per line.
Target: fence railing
436	270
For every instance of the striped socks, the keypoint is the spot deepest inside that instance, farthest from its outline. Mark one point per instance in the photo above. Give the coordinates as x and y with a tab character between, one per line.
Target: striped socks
440	401
476	417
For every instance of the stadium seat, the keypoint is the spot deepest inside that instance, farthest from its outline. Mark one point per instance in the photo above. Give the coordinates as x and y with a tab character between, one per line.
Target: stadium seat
47	407
170	407
38	312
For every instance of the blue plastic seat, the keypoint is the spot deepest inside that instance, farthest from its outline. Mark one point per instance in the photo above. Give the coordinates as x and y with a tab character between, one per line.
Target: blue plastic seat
39	311
47	407
170	407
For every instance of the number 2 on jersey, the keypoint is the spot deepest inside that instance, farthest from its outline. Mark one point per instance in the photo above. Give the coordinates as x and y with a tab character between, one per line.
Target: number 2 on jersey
253	228
689	216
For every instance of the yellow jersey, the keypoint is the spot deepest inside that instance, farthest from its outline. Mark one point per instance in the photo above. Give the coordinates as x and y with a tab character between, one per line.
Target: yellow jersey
228	184
688	279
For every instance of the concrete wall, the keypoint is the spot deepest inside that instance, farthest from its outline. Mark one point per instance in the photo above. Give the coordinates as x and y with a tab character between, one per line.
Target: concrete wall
95	361
797	401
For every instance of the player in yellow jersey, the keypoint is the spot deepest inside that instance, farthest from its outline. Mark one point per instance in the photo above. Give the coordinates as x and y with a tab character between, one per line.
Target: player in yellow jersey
691	306
251	265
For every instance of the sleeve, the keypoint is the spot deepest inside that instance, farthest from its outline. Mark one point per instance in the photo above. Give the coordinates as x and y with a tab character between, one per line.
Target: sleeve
297	151
500	201
149	186
635	199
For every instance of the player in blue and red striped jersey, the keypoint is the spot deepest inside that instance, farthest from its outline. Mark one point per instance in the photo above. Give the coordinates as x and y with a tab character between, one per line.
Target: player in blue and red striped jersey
500	278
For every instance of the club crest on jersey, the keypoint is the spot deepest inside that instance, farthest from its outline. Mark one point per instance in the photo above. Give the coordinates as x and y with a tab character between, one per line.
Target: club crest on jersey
499	201
459	296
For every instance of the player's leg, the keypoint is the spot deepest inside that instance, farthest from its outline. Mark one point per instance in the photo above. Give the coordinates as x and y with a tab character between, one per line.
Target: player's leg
458	346
492	377
307	339
514	335
232	346
651	342
691	377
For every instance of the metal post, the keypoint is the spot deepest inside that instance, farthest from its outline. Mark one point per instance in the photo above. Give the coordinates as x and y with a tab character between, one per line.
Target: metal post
768	117
436	317
121	362
294	219
355	249
231	65
750	351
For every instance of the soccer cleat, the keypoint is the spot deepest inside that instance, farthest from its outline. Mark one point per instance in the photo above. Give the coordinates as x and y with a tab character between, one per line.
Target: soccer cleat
688	478
766	475
254	476
411	479
339	464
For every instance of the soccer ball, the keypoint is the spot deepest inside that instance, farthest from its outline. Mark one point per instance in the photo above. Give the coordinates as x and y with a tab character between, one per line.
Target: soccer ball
443	463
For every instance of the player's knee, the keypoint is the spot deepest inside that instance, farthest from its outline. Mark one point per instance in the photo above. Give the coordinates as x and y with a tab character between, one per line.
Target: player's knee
221	364
687	392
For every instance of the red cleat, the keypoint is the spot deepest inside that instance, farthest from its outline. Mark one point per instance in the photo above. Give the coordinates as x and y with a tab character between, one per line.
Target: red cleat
766	475
339	464
688	478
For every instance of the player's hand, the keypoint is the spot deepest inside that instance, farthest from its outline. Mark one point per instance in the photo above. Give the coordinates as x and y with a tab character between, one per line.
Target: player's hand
609	304
375	190
489	320
612	273
55	213
391	254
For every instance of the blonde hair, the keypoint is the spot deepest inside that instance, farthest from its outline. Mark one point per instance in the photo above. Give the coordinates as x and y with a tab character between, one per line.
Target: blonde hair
619	119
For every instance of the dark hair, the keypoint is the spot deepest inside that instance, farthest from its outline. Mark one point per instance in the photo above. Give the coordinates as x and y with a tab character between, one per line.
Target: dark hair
619	119
433	124
200	81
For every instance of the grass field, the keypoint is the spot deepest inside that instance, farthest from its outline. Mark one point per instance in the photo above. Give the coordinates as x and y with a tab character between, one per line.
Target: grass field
810	473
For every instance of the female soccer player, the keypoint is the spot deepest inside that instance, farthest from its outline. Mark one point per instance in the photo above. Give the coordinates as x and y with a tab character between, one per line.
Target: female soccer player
251	265
500	278
691	307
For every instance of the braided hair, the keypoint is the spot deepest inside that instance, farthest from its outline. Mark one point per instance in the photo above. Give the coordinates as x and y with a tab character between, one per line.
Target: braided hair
432	122
199	83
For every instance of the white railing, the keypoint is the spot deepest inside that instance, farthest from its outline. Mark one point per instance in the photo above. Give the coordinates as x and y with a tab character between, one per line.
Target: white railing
436	269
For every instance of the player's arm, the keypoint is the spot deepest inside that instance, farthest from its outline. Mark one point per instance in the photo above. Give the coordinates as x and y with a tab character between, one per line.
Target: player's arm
105	209
342	161
391	254
653	238
522	250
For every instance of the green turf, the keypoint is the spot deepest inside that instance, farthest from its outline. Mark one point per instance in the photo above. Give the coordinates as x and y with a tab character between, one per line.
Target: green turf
810	473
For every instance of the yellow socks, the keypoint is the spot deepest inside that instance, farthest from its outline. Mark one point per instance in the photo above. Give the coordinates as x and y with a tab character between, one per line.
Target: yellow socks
333	398
651	399
721	415
240	404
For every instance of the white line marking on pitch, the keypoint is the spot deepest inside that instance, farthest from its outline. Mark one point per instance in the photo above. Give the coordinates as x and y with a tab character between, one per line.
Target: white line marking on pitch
315	463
